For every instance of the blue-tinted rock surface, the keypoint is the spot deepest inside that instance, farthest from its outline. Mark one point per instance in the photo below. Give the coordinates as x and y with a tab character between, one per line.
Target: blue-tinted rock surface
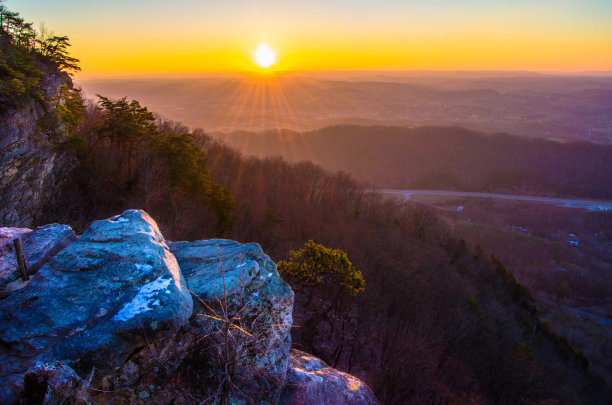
261	303
96	301
122	316
39	245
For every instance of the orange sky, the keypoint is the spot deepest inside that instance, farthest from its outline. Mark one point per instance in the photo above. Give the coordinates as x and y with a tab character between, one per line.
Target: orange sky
137	37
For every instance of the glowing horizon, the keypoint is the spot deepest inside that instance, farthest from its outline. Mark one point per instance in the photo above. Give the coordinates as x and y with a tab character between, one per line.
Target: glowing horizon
151	38
264	57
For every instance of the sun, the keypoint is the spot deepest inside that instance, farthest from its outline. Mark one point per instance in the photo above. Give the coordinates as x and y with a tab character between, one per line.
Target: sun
264	56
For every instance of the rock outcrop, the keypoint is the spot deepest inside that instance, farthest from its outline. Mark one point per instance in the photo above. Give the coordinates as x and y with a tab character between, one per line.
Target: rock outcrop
259	300
54	383
115	288
119	315
32	170
311	381
40	245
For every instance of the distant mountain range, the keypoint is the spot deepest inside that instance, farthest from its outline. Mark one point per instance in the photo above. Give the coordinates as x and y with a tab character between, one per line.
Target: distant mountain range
568	107
443	158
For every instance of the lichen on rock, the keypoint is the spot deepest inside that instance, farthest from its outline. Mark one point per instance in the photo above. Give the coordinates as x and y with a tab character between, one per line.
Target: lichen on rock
66	311
143	320
240	283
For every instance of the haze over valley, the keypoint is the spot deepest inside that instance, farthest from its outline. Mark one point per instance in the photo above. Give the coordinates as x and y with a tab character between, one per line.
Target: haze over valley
555	106
534	136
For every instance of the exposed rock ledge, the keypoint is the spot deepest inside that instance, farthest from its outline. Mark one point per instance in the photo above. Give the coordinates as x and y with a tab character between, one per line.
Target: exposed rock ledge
32	169
119	315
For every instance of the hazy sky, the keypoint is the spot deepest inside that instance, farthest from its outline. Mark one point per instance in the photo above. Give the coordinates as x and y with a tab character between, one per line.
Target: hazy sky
113	37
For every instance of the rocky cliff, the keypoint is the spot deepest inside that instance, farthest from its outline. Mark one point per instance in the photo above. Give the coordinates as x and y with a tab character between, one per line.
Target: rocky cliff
120	315
32	170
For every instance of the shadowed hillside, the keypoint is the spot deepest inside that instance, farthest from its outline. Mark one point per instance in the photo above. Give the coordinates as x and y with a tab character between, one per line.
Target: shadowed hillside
443	158
438	321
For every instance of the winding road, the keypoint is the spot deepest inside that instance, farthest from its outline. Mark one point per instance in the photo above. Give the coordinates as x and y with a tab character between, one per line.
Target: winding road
591	205
600	319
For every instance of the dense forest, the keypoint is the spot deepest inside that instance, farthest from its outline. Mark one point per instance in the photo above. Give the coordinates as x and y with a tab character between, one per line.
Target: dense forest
418	314
447	158
436	322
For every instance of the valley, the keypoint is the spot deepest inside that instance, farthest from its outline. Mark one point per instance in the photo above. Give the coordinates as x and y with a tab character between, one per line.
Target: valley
561	107
562	254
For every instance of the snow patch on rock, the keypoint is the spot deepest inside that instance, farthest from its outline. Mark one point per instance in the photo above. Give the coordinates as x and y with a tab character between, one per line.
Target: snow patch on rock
143	301
145	268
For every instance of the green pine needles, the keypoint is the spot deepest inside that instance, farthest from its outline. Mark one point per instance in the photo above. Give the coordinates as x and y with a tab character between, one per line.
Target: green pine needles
316	264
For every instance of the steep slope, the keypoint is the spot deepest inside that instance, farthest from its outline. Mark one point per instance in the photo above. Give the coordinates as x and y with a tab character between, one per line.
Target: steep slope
39	109
438	322
32	168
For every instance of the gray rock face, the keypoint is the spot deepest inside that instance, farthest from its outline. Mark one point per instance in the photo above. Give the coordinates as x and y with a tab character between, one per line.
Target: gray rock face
106	294
32	170
39	246
8	261
311	381
261	304
146	321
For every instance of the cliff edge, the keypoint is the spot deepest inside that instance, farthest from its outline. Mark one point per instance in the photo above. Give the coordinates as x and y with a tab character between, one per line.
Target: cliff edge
120	315
32	168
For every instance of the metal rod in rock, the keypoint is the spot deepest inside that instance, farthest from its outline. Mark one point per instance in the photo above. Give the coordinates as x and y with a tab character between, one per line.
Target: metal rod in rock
21	262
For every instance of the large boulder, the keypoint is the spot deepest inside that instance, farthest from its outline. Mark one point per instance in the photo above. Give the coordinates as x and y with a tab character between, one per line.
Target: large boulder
39	246
311	381
243	301
122	316
106	295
